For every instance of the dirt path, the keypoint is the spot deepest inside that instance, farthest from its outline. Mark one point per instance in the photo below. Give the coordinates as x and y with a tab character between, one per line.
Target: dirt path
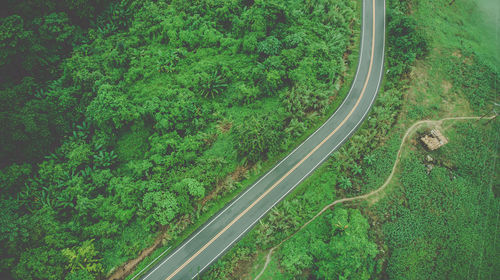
410	130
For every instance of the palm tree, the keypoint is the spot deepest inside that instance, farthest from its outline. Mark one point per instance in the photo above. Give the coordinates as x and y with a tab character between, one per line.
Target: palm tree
357	169
214	85
104	159
369	159
345	183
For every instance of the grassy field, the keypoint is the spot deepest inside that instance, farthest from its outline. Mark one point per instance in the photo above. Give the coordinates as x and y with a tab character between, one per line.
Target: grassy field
459	75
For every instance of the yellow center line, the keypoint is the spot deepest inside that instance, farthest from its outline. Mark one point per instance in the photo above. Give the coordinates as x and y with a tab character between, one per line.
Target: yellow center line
293	168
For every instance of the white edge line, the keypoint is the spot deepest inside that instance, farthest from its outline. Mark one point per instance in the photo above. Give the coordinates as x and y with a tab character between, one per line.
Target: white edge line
265	175
314	168
151	263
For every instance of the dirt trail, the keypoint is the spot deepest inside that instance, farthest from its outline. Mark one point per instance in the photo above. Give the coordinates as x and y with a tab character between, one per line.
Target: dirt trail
412	128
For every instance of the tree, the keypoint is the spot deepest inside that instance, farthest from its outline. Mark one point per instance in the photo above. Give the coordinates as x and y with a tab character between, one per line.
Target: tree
14	40
406	43
353	252
336	246
259	136
211	84
369	159
40	263
345	183
163	204
194	187
83	257
270	46
110	109
357	170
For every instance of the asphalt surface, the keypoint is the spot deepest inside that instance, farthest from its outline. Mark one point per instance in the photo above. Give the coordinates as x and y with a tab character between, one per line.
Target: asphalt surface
230	224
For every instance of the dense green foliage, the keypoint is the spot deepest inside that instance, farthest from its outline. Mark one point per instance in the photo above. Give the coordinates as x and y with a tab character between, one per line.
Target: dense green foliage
118	124
255	137
433	229
478	80
335	246
118	119
350	171
450	212
35	38
405	42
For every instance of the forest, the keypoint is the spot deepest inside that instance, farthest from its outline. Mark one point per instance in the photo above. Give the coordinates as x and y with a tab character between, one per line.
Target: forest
127	121
436	219
119	119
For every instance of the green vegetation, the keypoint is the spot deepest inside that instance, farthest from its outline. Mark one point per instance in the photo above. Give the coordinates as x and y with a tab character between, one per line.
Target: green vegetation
124	120
335	246
35	38
443	223
119	120
348	172
437	225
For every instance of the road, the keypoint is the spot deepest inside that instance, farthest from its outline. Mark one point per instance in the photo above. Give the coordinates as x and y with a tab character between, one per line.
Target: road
230	224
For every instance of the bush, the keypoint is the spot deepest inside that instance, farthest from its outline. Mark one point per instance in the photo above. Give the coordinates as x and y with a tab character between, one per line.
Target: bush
257	137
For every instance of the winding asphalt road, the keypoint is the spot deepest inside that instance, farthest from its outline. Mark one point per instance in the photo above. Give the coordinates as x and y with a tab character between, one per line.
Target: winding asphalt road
229	225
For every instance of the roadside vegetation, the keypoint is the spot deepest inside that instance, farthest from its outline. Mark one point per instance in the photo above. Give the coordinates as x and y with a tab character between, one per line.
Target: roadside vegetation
125	123
427	224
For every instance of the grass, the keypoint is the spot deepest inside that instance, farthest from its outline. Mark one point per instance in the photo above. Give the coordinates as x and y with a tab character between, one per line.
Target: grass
469	25
434	91
462	36
272	272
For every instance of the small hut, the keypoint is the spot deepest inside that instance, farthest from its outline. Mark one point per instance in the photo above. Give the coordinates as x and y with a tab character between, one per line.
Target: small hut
434	140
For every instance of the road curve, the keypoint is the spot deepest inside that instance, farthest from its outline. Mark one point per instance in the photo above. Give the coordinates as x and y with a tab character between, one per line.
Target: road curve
229	225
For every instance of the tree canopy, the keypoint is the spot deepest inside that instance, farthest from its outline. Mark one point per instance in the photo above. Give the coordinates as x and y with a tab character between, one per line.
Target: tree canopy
336	246
111	116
